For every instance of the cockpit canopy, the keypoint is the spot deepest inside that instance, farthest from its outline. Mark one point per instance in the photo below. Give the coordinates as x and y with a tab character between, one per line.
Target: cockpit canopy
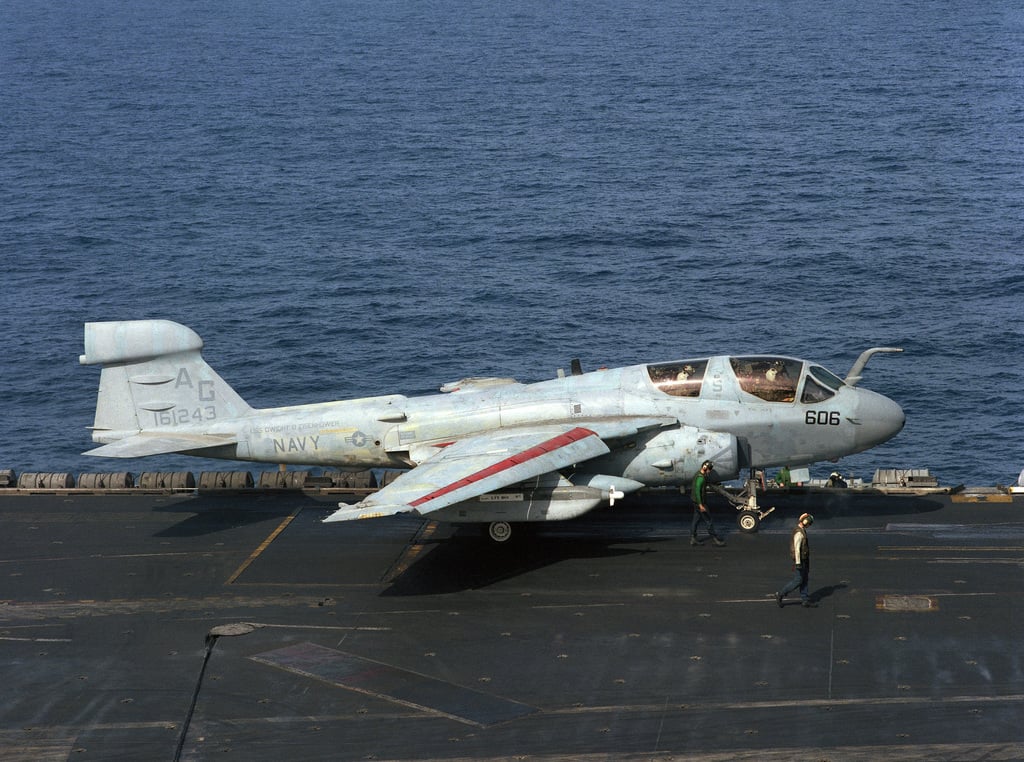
820	385
773	379
679	379
770	378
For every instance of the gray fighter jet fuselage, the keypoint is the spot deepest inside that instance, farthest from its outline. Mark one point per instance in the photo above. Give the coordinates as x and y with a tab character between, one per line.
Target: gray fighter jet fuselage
488	449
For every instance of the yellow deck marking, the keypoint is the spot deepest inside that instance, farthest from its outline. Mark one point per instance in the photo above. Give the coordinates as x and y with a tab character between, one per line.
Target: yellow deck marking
263	546
411	552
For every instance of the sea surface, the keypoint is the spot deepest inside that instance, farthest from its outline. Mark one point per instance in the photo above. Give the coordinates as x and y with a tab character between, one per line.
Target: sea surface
356	198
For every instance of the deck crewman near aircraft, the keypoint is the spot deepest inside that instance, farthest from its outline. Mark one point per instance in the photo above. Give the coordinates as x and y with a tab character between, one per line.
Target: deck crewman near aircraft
801	552
698	493
836	481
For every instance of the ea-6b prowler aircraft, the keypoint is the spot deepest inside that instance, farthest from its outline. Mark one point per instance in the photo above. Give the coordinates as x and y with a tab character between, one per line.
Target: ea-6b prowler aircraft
492	450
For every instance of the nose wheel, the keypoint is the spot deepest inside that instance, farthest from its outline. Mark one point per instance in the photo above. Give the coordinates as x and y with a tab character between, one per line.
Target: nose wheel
749	521
750	513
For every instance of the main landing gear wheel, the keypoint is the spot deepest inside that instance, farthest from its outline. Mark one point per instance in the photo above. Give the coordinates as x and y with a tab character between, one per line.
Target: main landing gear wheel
749	521
499	531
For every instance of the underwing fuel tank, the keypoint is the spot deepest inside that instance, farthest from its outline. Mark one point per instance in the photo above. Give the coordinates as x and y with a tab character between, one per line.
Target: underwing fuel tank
549	498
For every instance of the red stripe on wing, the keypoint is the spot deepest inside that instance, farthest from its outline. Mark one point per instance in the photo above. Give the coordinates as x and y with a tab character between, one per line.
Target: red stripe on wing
575	435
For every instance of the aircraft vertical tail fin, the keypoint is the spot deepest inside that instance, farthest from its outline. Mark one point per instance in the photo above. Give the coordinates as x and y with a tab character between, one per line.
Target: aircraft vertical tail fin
155	382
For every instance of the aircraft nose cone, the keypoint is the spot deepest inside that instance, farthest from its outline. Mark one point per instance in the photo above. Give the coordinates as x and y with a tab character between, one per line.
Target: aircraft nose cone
880	420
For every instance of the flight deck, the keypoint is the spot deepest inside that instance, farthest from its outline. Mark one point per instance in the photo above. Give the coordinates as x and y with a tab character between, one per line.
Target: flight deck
192	626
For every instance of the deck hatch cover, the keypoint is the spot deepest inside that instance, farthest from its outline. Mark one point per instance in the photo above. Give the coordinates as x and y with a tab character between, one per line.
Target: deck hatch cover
906	603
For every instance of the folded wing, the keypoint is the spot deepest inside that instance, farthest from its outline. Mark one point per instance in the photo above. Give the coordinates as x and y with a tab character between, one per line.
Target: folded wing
479	464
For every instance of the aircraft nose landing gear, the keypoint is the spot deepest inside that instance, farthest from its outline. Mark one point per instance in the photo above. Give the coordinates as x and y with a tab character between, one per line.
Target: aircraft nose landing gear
751	515
749	521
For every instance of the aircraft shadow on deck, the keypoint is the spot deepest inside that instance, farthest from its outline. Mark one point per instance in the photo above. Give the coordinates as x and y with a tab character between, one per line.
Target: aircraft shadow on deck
212	514
467	561
211	522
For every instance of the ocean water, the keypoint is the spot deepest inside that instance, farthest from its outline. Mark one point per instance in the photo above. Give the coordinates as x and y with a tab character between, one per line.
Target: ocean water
348	198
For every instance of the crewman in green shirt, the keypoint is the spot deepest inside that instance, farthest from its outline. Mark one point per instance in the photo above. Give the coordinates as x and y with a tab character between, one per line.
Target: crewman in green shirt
698	493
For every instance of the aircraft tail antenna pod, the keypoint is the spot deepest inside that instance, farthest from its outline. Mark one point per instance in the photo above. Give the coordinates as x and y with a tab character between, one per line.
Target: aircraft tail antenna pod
854	376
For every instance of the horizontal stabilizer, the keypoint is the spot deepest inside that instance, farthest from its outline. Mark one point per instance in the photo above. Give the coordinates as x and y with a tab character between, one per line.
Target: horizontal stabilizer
141	445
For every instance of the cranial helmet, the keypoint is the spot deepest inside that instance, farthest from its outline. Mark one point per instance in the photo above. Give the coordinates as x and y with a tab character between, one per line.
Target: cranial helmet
806	519
708	465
